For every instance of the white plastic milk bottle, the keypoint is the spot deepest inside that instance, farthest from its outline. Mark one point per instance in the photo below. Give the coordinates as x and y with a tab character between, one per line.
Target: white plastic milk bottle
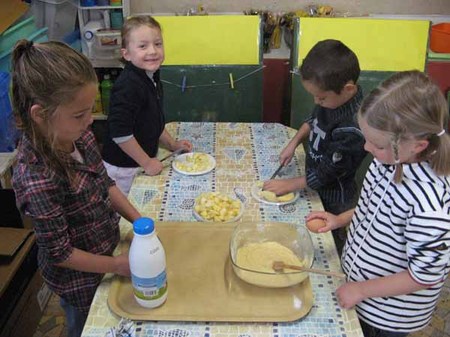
147	265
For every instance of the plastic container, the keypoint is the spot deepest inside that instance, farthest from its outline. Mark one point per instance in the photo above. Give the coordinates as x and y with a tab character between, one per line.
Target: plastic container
19	31
116	19
88	3
147	265
108	38
8	131
5	57
440	38
106	87
107	44
88	37
58	15
74	40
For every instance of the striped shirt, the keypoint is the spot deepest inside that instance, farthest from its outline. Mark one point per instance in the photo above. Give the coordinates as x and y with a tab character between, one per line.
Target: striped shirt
399	227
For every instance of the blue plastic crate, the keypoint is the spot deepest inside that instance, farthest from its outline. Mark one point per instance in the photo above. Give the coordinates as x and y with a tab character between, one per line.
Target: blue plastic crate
73	39
8	131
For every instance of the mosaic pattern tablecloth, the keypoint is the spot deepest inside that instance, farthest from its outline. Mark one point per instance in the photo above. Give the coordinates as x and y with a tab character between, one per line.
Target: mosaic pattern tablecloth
245	153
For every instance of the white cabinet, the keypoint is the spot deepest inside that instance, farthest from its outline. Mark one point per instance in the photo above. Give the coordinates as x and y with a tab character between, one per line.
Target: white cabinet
99	41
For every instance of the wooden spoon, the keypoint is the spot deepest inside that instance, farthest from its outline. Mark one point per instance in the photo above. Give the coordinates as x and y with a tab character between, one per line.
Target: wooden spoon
279	266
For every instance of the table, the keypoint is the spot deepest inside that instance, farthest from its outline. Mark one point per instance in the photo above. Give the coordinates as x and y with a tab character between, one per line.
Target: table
244	153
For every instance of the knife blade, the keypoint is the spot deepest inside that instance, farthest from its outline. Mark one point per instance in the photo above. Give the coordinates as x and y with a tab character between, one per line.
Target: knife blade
174	153
277	171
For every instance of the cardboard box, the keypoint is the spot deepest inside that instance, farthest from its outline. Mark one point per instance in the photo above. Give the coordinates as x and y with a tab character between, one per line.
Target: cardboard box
10	11
28	312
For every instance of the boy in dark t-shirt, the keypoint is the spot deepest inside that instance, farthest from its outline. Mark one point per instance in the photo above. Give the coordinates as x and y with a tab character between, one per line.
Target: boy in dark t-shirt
329	72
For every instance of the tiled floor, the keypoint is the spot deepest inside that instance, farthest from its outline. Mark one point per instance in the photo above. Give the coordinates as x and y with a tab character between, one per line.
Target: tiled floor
52	323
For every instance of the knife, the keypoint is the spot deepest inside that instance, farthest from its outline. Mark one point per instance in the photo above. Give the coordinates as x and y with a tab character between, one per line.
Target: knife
174	153
276	172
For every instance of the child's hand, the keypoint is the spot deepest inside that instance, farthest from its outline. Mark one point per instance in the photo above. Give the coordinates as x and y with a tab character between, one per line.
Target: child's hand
287	154
183	144
153	167
349	294
279	186
122	265
331	220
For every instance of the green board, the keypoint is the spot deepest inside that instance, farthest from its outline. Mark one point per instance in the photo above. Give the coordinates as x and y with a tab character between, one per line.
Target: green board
208	96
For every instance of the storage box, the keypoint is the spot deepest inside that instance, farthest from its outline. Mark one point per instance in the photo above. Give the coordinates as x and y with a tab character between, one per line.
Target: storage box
5	56
19	31
8	130
440	38
108	38
58	15
29	309
107	44
23	294
11	11
73	40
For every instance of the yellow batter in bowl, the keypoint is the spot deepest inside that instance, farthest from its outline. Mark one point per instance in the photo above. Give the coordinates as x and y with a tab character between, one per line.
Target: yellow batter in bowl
255	261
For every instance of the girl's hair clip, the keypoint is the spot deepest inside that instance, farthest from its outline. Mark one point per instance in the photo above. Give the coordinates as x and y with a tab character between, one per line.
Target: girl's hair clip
441	133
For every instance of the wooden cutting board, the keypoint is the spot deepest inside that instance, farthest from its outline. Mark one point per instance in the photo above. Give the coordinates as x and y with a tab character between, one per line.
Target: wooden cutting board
202	285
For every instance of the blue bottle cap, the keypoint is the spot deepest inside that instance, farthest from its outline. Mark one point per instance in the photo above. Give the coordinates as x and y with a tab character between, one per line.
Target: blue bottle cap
143	226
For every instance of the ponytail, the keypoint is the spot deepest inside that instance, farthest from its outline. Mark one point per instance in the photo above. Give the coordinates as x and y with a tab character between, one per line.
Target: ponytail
440	158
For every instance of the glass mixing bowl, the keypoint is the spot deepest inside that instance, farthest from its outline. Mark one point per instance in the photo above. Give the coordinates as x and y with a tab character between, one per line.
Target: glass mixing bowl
294	237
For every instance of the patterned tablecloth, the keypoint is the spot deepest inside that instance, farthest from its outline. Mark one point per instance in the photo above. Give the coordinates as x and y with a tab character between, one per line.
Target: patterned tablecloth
245	153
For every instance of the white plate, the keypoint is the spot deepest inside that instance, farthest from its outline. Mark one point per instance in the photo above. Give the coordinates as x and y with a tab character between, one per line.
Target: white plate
198	217
255	194
182	157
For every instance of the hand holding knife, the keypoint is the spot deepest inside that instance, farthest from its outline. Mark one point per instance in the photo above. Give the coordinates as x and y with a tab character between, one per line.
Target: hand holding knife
276	172
174	153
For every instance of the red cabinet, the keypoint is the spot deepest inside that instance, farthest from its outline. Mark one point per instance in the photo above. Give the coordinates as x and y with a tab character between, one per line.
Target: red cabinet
276	91
439	71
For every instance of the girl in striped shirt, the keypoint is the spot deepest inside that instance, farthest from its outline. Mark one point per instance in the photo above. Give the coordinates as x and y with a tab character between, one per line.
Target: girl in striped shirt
397	253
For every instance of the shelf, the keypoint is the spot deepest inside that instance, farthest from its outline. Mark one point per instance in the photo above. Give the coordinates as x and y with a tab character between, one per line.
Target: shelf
99	117
99	7
106	63
93	18
284	52
432	56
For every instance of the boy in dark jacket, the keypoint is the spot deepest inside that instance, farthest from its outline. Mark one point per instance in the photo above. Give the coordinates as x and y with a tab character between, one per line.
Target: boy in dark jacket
329	72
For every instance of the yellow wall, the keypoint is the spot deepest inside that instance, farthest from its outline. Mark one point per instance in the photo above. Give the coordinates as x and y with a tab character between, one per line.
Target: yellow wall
208	40
381	45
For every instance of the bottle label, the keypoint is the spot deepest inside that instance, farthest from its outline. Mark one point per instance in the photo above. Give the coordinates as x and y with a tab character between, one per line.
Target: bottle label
150	288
